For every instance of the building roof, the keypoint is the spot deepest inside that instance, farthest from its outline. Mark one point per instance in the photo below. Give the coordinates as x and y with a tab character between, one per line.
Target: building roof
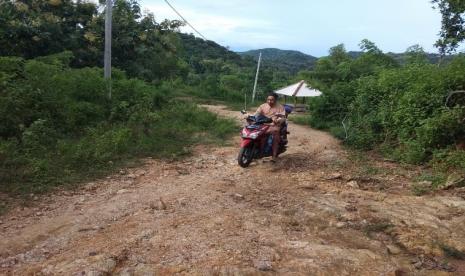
300	89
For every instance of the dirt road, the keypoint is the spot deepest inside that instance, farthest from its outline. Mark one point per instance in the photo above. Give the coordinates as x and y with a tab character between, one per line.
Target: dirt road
318	211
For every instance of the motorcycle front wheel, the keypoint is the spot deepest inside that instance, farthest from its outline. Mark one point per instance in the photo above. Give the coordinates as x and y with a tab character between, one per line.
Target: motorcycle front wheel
245	156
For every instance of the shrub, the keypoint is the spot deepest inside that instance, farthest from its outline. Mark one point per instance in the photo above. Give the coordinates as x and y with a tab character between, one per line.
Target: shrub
399	109
59	127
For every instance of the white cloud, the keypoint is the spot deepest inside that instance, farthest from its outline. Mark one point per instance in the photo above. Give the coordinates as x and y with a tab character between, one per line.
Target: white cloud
224	29
309	26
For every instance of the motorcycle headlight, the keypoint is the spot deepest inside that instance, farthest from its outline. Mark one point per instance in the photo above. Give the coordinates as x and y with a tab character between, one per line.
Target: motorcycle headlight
254	135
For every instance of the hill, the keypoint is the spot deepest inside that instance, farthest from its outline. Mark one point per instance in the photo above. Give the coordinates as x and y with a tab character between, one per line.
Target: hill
287	60
401	57
197	48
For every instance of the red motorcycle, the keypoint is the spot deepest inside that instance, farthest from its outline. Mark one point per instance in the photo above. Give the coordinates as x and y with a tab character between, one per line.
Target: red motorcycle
256	143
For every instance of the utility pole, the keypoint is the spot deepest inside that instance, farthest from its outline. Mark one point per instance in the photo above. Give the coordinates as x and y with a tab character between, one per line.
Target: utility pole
256	77
107	55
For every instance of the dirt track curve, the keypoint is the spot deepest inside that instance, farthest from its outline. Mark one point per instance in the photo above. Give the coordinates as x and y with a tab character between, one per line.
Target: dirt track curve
312	213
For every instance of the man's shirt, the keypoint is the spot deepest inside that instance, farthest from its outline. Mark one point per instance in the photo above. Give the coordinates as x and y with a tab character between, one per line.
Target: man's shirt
268	111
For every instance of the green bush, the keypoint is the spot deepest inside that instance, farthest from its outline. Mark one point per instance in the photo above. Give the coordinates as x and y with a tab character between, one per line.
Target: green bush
448	160
59	127
398	109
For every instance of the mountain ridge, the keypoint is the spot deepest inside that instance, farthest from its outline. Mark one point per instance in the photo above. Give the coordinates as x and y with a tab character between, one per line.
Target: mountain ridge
294	60
289	60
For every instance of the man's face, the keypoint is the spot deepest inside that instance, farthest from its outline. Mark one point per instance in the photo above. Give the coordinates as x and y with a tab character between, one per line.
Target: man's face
271	100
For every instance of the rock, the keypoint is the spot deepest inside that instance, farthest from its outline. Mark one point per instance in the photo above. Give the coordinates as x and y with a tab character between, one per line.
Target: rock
158	205
182	172
238	196
128	271
85	229
142	270
106	265
307	187
182	201
263	265
393	250
351	208
93	272
425	183
452	181
334	176
353	184
122	172
92	253
399	272
39	214
132	176
418	265
340	225
161	205
122	191
379	197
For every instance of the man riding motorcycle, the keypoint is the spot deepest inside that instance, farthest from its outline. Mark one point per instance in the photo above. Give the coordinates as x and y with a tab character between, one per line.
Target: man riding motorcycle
272	109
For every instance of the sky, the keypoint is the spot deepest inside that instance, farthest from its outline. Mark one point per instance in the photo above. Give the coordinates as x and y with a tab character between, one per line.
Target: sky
311	26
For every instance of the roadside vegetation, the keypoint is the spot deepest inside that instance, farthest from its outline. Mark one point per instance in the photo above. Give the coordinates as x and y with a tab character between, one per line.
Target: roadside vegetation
404	111
59	127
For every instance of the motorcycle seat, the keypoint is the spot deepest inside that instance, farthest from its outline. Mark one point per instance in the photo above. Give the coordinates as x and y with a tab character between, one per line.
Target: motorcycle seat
253	127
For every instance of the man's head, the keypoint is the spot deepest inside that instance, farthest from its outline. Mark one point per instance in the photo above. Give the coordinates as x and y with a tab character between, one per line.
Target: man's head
271	99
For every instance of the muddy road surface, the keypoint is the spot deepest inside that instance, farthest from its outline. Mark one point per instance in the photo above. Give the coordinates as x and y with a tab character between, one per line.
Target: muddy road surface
320	210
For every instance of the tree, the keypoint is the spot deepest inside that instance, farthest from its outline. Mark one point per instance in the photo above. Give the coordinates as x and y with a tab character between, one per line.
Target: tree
369	46
338	54
453	24
415	54
37	28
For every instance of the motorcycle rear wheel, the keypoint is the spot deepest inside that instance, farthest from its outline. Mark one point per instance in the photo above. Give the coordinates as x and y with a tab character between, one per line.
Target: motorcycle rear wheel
245	156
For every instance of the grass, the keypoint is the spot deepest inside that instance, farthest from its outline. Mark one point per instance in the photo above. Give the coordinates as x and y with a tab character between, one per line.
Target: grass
369	170
427	182
232	105
436	179
376	227
420	189
105	149
363	163
300	119
3	208
452	252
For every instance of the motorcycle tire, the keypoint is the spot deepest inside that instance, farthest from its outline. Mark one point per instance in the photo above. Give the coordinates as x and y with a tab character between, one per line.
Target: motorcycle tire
245	157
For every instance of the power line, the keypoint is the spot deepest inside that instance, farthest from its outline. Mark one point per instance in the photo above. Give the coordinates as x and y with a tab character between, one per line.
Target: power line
185	21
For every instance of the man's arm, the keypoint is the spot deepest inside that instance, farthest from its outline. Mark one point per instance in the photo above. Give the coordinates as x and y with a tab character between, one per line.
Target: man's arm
259	111
281	112
280	116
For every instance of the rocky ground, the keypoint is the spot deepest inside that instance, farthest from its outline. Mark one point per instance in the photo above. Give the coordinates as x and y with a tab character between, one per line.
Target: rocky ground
319	211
